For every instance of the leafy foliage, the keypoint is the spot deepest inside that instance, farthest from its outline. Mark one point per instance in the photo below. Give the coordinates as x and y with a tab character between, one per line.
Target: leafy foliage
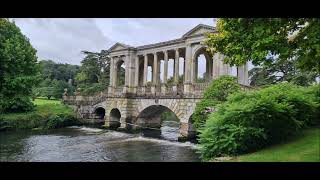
94	73
280	71
93	68
19	71
216	93
261	40
48	114
269	116
171	80
229	139
221	88
89	89
51	70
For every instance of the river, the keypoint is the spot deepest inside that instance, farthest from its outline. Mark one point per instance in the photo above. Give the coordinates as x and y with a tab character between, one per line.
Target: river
89	144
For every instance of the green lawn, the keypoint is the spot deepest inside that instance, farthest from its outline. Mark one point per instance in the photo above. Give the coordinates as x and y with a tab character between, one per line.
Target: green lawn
33	119
306	148
51	106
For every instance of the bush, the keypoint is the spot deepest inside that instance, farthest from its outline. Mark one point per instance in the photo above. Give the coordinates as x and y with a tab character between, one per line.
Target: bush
221	88
202	112
229	139
216	93
314	93
278	111
16	104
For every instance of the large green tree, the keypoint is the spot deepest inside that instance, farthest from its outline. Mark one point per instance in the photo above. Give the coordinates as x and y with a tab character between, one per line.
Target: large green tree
264	40
94	72
19	71
55	78
280	71
94	68
58	71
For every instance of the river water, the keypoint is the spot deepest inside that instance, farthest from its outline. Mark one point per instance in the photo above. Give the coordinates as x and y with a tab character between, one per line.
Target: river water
88	144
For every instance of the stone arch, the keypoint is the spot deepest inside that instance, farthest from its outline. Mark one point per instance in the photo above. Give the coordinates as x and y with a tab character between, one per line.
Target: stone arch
172	104
151	116
114	118
201	50
99	113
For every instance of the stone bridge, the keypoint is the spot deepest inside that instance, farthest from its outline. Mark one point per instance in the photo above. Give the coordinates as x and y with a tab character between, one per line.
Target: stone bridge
134	103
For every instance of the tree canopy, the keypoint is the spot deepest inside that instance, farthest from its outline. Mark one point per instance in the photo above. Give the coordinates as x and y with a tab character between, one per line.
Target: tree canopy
19	71
265	40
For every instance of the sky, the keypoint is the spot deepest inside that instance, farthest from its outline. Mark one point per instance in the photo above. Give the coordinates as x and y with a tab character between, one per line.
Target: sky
63	39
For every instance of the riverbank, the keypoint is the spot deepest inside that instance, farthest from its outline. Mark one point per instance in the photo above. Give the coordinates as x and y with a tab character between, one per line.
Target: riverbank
48	114
304	148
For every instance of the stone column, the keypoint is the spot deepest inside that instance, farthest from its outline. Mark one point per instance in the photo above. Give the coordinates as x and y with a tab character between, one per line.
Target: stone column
246	75
126	75
158	72
176	67
155	73
242	74
214	67
136	78
188	70
165	69
195	70
111	85
207	68
145	72
176	72
209	74
165	73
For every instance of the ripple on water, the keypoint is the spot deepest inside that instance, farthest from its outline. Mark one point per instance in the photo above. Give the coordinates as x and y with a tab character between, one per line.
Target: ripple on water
92	144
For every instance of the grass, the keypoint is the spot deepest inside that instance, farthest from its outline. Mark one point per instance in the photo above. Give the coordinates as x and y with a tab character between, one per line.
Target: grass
45	110
52	106
305	148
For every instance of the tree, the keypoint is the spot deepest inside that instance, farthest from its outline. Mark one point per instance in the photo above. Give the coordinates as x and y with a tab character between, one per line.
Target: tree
262	40
19	71
94	72
280	71
94	66
58	71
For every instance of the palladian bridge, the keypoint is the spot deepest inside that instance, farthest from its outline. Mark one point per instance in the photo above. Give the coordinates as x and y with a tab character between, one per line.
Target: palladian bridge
138	102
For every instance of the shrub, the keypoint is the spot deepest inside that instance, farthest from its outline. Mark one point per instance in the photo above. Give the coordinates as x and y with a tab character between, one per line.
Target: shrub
216	93
221	88
201	112
16	104
278	111
229	139
314	93
58	121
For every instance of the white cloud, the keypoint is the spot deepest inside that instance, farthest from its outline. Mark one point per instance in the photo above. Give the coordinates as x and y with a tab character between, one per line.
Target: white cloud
62	40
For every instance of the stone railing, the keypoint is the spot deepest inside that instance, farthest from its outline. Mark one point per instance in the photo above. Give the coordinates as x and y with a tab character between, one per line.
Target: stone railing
118	91
197	92
200	86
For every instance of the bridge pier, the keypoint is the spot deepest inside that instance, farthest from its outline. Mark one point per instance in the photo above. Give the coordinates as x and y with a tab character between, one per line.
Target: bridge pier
186	132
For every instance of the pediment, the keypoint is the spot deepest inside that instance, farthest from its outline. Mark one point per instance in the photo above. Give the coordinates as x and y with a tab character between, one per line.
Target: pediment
200	29
118	46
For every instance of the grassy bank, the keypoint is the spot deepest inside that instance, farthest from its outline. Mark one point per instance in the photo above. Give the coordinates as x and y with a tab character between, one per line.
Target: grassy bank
48	114
305	148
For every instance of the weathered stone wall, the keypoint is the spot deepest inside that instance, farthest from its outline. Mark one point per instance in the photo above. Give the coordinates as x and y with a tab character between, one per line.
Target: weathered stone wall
130	108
